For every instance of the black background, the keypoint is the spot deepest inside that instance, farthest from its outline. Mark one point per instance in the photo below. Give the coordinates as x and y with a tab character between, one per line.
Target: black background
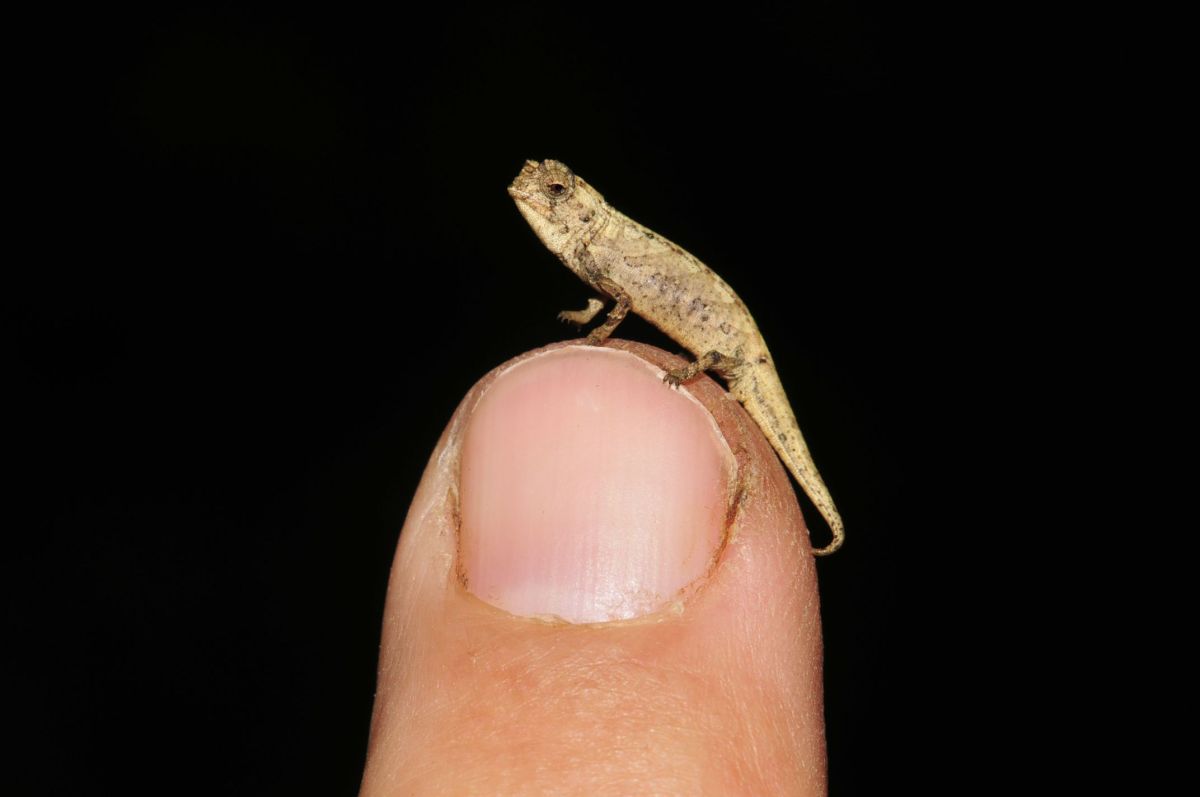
268	254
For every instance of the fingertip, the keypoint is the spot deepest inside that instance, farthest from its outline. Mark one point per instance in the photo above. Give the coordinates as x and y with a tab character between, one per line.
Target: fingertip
477	687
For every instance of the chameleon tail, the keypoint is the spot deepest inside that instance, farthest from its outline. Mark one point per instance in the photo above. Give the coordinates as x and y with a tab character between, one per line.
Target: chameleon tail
769	407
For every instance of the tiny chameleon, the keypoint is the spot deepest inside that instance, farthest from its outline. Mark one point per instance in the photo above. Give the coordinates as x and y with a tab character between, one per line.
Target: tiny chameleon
644	272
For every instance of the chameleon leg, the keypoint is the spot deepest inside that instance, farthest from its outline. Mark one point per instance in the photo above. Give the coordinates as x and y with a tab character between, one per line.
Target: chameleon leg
615	315
711	361
581	317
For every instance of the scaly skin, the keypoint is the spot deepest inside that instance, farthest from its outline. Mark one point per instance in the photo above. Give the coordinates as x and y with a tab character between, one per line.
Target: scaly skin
667	286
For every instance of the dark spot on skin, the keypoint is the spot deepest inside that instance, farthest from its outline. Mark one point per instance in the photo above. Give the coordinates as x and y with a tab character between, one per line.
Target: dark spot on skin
762	360
585	218
695	306
704	318
731	513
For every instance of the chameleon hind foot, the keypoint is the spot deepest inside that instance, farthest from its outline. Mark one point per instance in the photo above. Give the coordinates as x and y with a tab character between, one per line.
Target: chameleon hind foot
711	361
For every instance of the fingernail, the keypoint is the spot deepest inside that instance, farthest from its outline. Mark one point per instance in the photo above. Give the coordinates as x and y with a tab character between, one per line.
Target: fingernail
590	491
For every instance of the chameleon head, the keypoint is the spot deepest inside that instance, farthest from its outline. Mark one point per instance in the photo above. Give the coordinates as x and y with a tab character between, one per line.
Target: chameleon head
558	205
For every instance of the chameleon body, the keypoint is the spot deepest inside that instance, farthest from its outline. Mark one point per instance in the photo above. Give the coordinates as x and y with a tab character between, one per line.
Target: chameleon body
644	272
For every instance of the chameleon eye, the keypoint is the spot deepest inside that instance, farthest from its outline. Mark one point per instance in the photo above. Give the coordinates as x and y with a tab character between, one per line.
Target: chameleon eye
557	180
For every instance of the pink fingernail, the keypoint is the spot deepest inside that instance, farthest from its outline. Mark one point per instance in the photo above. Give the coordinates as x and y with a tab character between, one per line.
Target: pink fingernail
590	490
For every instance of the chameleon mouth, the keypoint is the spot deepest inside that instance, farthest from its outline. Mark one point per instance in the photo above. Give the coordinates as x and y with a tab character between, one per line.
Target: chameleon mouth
525	191
538	214
524	182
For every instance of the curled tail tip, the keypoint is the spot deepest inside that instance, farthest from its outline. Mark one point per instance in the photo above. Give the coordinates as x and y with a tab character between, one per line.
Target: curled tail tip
839	537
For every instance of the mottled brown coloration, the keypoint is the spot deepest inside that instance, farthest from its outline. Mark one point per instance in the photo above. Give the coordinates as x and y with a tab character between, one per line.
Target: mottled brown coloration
661	282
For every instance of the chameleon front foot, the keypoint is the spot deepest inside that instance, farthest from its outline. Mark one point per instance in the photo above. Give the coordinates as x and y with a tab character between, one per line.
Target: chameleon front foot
581	317
615	316
595	338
